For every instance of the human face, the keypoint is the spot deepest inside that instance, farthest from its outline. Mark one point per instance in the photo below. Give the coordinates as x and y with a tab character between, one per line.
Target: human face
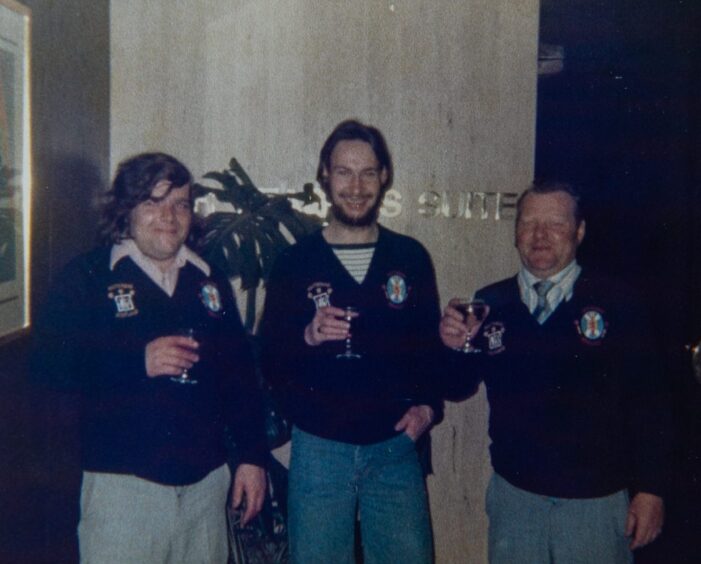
547	233
354	183
160	225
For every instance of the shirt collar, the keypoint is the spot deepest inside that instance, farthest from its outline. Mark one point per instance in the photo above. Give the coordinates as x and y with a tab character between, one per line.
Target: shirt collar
128	248
563	285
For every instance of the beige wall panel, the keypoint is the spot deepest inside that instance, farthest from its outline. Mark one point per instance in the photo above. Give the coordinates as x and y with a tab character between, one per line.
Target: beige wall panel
450	83
157	78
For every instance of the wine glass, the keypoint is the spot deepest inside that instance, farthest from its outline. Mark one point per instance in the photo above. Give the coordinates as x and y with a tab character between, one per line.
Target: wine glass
185	377
349	313
474	313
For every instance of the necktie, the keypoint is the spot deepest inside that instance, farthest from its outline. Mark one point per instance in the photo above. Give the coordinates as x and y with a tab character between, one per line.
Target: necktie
542	310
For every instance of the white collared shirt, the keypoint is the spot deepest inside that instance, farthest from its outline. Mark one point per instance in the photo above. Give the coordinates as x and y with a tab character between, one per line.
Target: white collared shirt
165	280
563	286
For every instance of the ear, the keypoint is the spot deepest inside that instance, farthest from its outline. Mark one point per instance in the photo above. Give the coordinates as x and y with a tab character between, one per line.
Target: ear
581	231
324	181
324	178
383	176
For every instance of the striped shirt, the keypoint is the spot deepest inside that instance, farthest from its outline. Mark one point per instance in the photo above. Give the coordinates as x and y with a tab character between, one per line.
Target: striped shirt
561	290
355	258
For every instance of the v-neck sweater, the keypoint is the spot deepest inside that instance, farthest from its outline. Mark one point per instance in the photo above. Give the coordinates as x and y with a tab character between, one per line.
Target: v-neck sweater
353	400
91	336
578	405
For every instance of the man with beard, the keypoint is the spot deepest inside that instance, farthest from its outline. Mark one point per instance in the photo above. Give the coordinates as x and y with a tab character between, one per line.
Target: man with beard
355	383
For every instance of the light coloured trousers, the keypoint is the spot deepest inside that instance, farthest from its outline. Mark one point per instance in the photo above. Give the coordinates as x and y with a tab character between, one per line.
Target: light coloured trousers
124	520
526	528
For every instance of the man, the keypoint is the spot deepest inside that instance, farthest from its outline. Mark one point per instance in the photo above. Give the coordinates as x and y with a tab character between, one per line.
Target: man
356	385
577	414
151	336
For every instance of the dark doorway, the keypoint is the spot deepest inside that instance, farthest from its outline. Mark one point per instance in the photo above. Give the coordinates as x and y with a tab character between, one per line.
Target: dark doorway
619	114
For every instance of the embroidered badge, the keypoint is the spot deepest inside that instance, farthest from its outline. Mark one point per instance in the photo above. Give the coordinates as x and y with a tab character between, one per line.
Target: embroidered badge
209	294
494	333
320	294
592	326
123	297
396	289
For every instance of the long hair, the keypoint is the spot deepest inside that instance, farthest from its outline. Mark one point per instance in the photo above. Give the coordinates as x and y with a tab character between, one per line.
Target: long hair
133	183
352	130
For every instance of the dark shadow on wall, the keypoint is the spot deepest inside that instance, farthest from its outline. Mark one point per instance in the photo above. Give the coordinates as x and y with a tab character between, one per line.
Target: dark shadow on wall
39	468
619	114
39	442
39	447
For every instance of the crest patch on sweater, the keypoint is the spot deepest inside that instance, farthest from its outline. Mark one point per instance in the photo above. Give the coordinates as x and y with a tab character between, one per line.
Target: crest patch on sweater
494	333
320	294
396	289
592	325
123	297
211	298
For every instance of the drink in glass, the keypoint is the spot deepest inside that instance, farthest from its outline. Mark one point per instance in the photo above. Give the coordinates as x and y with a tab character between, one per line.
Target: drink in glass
185	377
349	313
474	313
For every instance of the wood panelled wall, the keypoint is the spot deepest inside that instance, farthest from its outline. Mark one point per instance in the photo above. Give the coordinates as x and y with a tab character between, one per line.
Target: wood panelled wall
70	146
452	86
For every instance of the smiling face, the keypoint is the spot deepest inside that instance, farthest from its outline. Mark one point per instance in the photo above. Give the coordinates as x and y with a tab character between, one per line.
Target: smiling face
547	233
161	224
354	183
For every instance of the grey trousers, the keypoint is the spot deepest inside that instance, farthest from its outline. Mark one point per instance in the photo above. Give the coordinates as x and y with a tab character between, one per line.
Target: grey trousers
125	519
526	528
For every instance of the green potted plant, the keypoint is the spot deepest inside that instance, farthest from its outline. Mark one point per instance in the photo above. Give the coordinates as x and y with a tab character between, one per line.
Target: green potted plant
242	237
245	241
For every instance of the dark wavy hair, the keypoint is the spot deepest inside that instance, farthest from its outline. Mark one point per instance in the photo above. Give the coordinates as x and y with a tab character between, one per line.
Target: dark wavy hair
546	186
133	183
353	130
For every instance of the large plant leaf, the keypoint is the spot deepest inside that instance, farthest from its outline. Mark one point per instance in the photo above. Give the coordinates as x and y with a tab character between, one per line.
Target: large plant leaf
245	242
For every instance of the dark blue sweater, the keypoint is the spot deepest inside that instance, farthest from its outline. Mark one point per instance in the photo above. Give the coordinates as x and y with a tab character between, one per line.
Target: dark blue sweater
153	428
578	406
355	401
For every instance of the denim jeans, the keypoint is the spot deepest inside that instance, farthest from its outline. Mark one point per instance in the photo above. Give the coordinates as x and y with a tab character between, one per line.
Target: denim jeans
382	484
526	528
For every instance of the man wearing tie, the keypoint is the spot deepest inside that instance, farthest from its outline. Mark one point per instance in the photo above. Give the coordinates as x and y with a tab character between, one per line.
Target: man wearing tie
578	415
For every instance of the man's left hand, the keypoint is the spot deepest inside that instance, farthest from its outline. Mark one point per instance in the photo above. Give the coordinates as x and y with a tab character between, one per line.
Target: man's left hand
415	421
249	485
645	519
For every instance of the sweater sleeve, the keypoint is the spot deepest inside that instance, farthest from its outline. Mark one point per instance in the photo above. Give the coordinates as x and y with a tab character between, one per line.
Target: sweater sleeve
241	393
427	350
282	333
71	351
648	405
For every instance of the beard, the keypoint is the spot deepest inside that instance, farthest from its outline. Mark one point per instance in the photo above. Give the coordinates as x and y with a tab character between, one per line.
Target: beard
365	220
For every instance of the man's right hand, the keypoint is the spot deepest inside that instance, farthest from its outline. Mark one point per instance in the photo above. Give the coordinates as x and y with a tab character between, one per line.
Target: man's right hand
327	325
169	356
452	328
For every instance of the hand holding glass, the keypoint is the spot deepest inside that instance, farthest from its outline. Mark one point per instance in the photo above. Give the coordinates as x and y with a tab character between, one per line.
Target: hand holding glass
185	377
349	313
474	312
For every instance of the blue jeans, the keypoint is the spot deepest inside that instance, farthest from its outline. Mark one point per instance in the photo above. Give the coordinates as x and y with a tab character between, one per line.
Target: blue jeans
382	483
526	528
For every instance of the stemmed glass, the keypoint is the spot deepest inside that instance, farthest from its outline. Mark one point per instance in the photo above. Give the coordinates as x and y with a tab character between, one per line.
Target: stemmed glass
184	377
474	313
349	313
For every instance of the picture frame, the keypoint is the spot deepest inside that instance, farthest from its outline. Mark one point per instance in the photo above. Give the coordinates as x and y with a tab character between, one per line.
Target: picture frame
15	175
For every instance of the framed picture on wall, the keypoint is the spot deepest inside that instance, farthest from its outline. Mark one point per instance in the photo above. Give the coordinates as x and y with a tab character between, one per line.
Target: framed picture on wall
14	169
